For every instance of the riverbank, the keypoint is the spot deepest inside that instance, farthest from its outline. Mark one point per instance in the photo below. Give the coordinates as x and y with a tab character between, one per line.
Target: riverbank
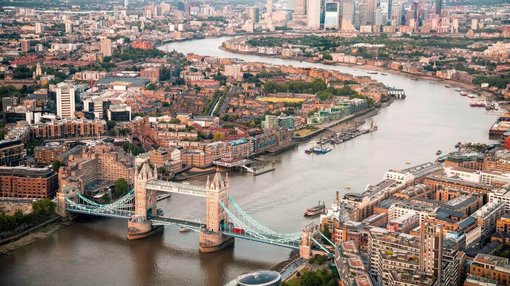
34	234
470	87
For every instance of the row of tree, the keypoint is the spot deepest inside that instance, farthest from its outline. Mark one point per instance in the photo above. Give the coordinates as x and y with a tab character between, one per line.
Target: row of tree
41	210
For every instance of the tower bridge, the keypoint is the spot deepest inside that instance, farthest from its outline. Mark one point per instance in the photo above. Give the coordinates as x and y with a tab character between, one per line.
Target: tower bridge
224	221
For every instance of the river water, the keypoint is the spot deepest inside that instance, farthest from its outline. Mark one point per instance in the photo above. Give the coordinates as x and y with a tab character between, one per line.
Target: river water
94	251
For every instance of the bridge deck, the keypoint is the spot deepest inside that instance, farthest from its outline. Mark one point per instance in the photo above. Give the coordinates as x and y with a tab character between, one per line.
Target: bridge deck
291	245
177	221
178	188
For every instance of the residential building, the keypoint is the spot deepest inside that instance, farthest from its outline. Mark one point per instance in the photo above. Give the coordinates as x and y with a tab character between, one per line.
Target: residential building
491	267
66	100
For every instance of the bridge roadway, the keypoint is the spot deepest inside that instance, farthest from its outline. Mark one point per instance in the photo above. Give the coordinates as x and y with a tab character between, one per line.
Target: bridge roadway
125	214
177	188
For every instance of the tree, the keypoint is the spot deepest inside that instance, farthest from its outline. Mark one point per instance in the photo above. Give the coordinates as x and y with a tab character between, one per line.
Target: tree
175	121
110	124
310	279
121	187
56	165
43	207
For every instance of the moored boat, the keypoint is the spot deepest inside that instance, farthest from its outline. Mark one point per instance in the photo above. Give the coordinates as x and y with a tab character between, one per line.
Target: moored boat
316	210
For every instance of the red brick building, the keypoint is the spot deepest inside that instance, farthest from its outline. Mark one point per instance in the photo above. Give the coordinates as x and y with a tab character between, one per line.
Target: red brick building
26	182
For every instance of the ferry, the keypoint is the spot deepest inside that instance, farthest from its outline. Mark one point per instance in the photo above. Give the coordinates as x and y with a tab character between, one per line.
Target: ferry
321	150
318	150
316	210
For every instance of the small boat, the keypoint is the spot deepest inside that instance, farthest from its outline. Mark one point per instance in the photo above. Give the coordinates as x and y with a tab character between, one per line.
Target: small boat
458	90
384	73
447	86
439	152
408	163
309	151
414	78
472	95
184	229
316	210
372	72
321	150
463	93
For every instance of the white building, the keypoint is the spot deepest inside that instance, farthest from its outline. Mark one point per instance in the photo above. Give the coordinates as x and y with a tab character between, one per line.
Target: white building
501	195
331	15
65	100
463	173
494	177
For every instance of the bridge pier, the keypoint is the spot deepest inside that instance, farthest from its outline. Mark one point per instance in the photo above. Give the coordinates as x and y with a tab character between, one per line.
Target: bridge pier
140	227
213	241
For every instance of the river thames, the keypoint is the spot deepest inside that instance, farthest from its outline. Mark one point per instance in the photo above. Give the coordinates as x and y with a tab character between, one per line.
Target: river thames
96	252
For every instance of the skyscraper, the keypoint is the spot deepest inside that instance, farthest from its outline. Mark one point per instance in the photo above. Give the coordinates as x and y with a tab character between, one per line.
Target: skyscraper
370	5
313	14
65	100
347	11
331	14
431	248
439	7
269	7
253	14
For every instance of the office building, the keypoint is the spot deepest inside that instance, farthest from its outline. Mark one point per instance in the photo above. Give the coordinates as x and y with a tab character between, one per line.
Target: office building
65	100
11	152
253	14
313	15
331	15
26	182
119	112
439	7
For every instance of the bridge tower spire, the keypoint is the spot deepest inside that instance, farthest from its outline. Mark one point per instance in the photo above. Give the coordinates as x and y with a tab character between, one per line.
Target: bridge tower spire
211	237
139	225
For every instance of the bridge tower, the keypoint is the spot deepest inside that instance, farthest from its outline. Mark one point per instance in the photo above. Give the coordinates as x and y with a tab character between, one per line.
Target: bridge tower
305	247
211	237
139	225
